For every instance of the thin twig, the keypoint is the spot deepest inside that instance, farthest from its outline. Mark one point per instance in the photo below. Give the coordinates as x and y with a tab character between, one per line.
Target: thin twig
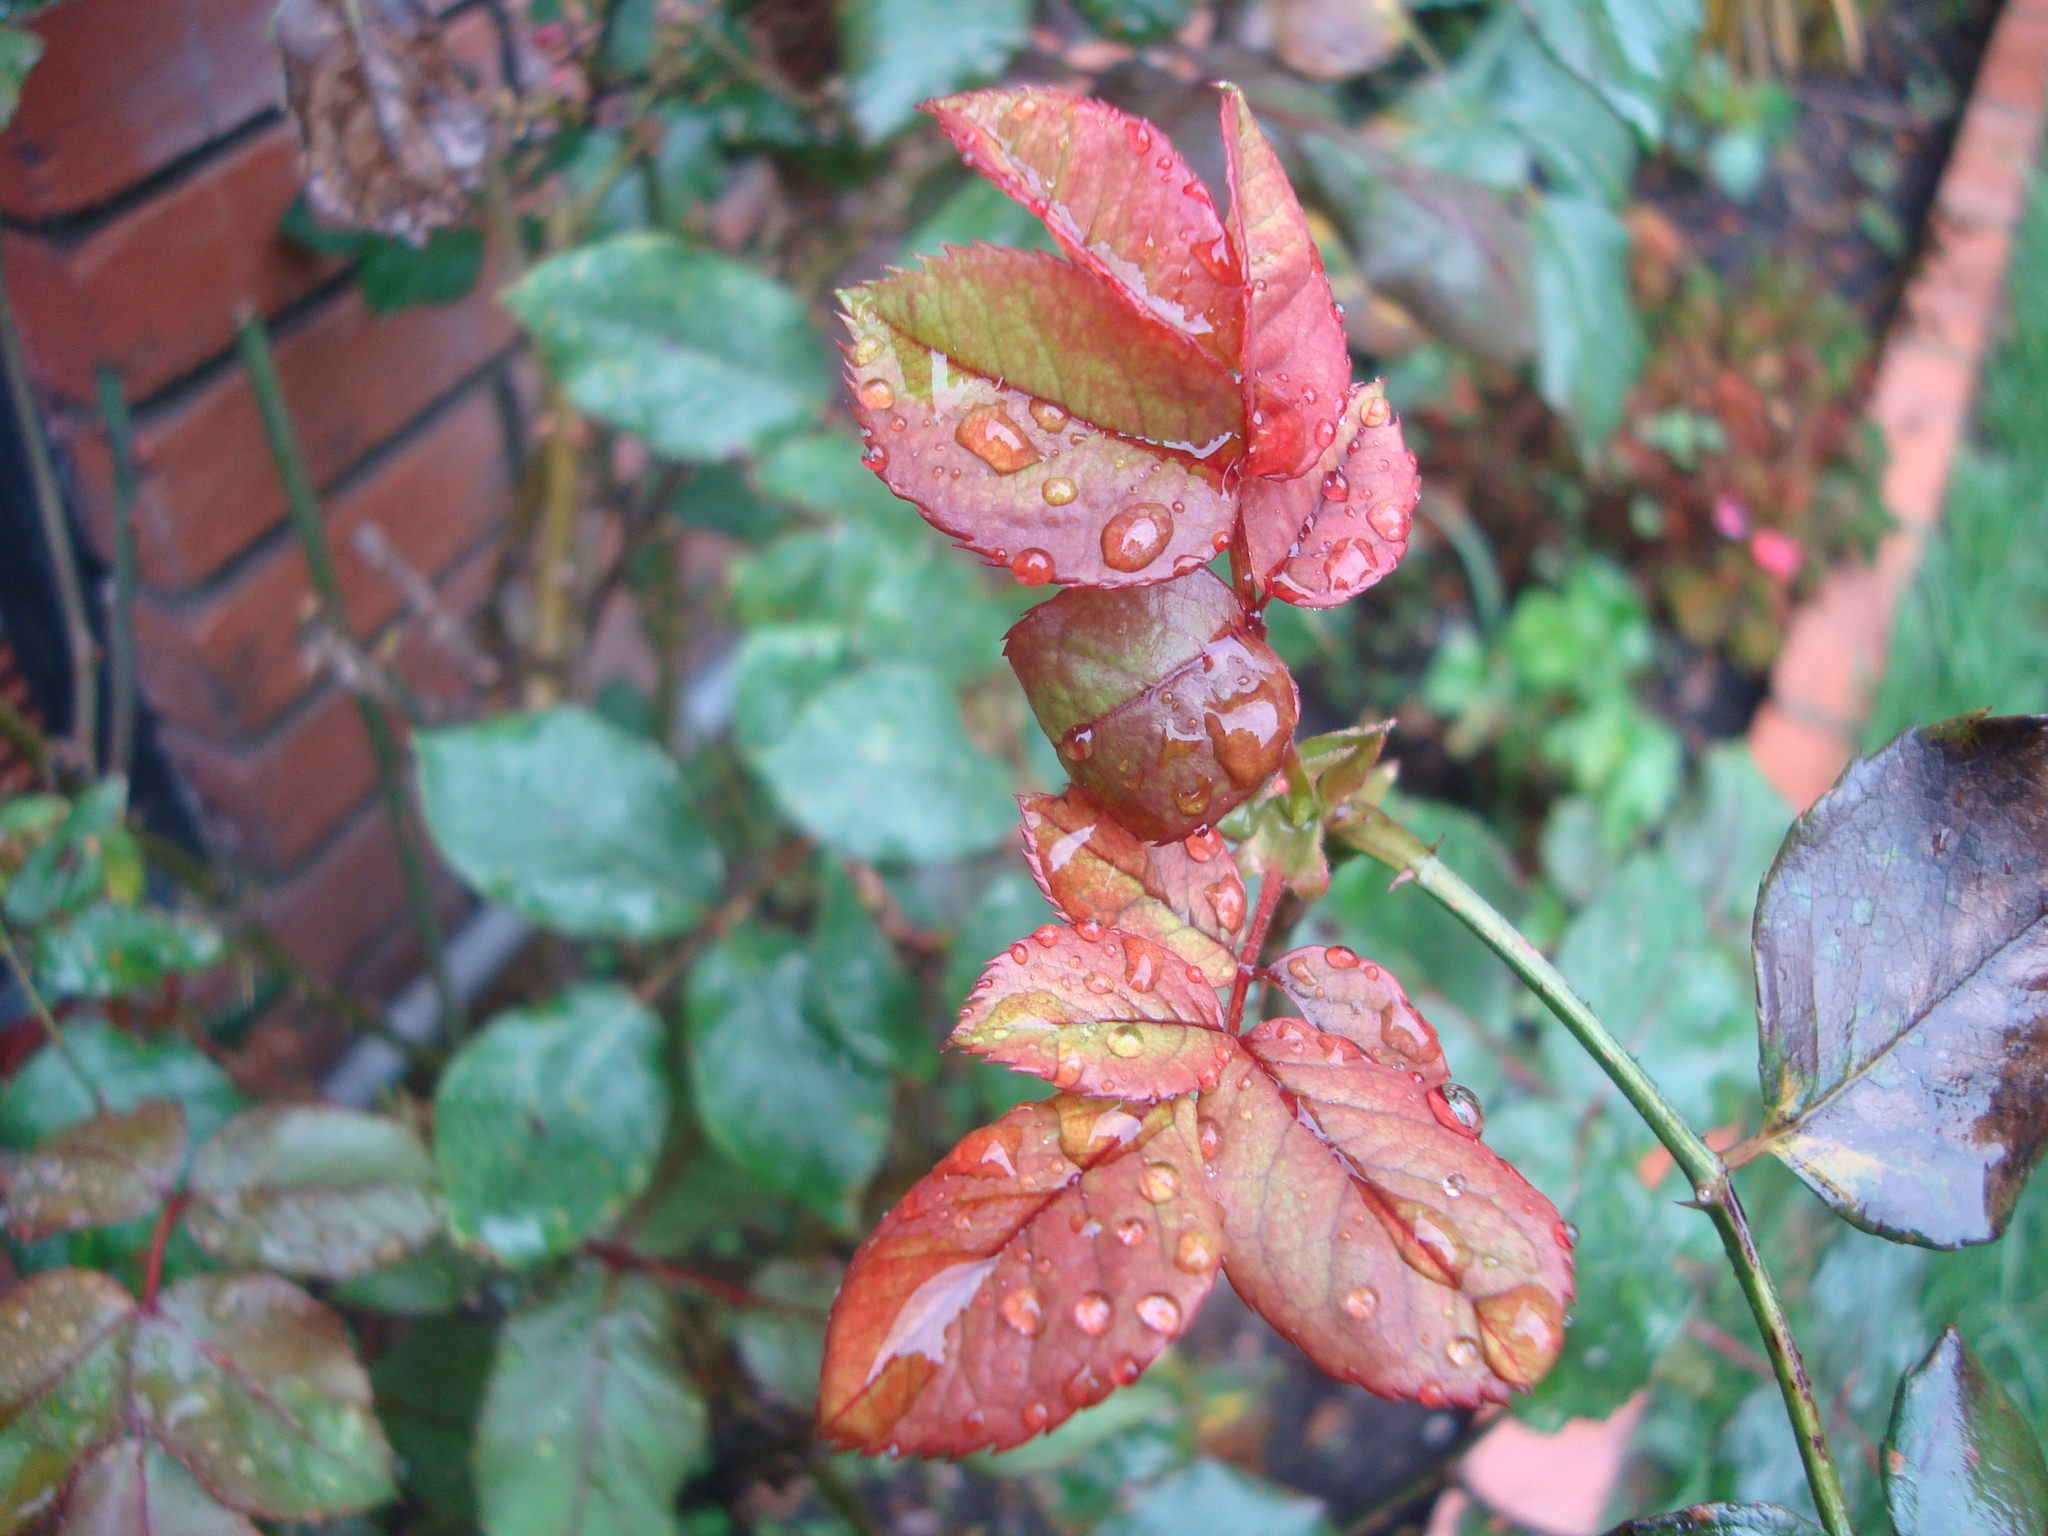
551	559
666	1273
1270	887
1727	1346
424	605
1373	831
48	1020
121	622
729	916
304	507
159	1239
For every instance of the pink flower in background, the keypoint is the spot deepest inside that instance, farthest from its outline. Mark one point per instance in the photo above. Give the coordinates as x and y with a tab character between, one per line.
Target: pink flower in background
1779	554
1731	517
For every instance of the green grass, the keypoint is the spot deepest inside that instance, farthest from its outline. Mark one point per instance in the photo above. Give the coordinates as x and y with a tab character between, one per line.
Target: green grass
1972	633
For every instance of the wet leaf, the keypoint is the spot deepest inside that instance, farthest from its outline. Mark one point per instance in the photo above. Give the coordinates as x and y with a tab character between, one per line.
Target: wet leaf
1721	1520
310	1190
432	1282
859	989
547	1124
1097	1011
394	134
1635	53
1961	1460
1336	39
1060	333
1052	496
589	1424
1043	1263
1163	701
1901	957
47	1096
1210	1495
898	52
255	1387
1295	364
430	1387
571	822
784	1350
88	854
1323	538
132	1488
114	1167
109	951
879	765
60	1382
1341	994
776	1088
700	356
1590	346
1187	897
1106	183
1367	1222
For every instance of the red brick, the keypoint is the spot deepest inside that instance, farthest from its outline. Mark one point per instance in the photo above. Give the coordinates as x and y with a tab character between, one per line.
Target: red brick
226	664
1801	759
269	805
209	489
1950	303
155	291
2014	71
1985	180
1921	401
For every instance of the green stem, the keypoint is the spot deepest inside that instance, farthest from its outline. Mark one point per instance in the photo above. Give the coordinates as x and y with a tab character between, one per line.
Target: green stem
121	625
304	507
1374	832
47	1019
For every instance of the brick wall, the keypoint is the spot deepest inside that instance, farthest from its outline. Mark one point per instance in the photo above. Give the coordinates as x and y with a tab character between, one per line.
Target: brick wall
140	191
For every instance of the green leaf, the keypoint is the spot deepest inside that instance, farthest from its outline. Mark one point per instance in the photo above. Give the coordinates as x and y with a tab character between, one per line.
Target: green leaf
19	51
776	1090
309	1190
878	764
571	822
860	991
1212	1496
783	1348
1589	343
589	1425
46	1096
898	52
396	274
430	1283
1900	952
60	1382
113	1167
1635	53
547	1124
108	951
1721	1520
430	1387
701	356
90	854
1960	1459
1138	20
255	1387
132	1488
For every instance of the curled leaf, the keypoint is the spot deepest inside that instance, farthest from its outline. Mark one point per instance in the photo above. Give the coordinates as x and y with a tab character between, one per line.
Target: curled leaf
1342	994
394	135
1046	1261
1188	896
1162	700
1376	1232
1106	184
1961	1460
1097	1011
1721	1520
113	1167
1902	967
1021	480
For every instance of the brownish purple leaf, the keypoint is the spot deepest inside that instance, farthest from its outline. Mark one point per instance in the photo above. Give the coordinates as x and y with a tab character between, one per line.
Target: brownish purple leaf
113	1167
1323	538
1188	897
1116	196
1018	479
131	1488
61	1382
1045	1262
1394	1248
1295	365
1039	324
1163	701
1343	995
1099	1011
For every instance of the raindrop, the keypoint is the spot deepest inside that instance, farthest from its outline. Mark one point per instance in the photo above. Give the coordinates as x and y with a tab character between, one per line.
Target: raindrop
1462	1352
1461	1104
1022	1310
1089	930
1194	1254
1139	135
1019	953
1226	900
1361	1301
1209	1137
1026	106
1388	521
1338	958
1136	536
1160	1313
990	435
1036	1416
876	395
1078	743
1203	844
1130	1231
1336	487
1158	1183
1194	799
1099	984
1070	1070
1374	412
1046	935
1051	417
875	457
866	350
1126	1371
1059	490
1032	567
1454	1185
1091	1314
1084	1387
1126	1040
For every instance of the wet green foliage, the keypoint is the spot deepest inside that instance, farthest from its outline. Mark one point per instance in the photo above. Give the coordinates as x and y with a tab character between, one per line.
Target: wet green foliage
1960	1458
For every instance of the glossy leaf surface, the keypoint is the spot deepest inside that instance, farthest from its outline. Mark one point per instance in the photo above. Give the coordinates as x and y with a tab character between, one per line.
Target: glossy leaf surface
1295	365
589	1425
1187	897
1020	480
1721	1520
571	822
1324	537
1162	700
310	1190
1901	953
108	950
1961	1460
898	52
254	1386
1106	183
1375	1230
113	1167
46	1096
548	1122
1634	55
1045	1261
1097	1011
60	1382
130	1487
1333	989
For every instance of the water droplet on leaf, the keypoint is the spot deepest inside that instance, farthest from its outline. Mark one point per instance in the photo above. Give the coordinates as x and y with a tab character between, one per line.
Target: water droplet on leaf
1091	1314
1194	1254
1160	1313
1032	567
990	435
1361	1301
1126	1040
876	395
1059	490
1049	416
1159	1183
1136	536
1023	1311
